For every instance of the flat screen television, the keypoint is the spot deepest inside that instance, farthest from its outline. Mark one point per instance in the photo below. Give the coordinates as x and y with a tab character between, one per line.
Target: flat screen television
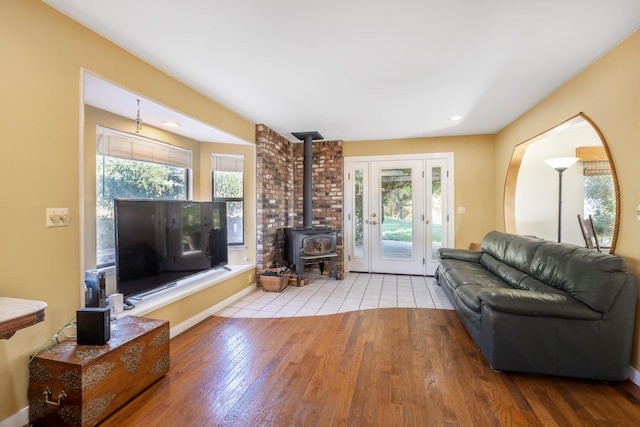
159	242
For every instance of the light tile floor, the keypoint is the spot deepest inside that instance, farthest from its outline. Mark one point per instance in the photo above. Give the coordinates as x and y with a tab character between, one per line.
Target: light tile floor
358	291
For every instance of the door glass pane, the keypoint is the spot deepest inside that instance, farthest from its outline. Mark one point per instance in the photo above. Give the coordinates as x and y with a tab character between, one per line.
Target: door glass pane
396	214
358	216
436	211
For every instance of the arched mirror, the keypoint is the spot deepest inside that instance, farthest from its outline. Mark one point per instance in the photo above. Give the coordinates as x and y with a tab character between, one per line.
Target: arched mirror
543	196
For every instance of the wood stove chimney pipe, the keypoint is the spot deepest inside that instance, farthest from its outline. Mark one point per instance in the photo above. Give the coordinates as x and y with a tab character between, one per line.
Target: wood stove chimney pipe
307	181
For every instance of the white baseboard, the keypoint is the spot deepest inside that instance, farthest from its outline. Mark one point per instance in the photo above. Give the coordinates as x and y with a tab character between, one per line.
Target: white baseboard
19	419
178	329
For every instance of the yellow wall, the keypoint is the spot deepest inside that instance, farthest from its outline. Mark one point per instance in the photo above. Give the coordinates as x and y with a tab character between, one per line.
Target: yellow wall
474	180
608	92
43	53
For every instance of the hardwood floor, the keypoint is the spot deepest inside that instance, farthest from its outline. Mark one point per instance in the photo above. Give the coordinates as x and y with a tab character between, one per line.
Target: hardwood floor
379	367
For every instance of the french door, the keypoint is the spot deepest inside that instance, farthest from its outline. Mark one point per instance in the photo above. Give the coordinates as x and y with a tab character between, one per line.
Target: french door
396	214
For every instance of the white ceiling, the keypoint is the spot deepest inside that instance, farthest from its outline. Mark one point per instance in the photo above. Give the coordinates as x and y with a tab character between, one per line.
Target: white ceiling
110	97
366	69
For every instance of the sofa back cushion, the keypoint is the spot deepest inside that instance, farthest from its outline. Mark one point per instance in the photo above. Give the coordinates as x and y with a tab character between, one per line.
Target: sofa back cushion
591	277
496	243
509	256
514	277
521	251
511	275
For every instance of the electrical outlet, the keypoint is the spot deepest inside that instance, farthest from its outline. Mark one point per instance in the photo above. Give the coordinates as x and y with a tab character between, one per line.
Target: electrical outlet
57	217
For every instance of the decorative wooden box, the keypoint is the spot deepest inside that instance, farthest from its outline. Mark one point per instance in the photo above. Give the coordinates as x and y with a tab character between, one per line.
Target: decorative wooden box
80	385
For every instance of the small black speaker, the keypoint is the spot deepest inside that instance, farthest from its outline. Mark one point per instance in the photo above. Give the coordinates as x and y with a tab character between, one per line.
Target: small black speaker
93	325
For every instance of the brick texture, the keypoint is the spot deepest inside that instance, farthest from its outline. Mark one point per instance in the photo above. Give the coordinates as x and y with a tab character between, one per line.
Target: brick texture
328	188
279	168
274	192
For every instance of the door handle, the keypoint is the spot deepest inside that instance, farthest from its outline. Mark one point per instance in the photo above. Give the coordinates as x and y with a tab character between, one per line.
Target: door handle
373	223
373	215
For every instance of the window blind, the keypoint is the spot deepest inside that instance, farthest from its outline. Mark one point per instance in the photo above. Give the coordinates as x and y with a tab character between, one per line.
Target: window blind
598	167
227	162
123	145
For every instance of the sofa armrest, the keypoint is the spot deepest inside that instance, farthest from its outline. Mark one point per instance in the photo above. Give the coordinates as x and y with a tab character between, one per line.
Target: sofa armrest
460	254
531	303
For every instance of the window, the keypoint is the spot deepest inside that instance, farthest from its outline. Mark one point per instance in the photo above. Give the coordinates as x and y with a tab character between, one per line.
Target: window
227	183
600	199
133	167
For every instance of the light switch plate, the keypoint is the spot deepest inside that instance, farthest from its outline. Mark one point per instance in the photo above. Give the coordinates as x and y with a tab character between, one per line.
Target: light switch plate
57	217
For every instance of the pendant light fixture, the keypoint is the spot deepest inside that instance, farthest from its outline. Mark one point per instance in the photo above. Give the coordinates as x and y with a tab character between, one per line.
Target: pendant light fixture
138	120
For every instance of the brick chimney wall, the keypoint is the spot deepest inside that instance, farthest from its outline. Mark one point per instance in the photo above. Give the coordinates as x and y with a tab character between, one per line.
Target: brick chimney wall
274	192
279	169
328	188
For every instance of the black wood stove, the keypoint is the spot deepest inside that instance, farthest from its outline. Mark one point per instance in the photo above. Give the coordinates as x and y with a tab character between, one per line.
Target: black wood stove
306	244
309	246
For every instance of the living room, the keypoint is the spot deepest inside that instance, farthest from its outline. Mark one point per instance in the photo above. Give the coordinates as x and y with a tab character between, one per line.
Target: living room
45	152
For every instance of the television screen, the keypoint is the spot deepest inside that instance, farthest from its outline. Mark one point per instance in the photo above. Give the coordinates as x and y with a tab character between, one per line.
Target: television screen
159	242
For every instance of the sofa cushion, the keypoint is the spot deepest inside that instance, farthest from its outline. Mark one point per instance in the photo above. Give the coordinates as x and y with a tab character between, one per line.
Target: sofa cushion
468	295
459	273
580	272
509	274
461	254
530	283
530	303
521	251
515	278
496	243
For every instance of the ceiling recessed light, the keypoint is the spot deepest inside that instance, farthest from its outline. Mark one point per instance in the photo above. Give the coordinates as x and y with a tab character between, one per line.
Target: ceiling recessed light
455	118
171	124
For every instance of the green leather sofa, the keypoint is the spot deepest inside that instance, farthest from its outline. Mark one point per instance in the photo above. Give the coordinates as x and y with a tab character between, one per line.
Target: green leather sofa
542	307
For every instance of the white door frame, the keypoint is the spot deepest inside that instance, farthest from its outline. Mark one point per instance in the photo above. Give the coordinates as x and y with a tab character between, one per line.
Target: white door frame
407	263
448	200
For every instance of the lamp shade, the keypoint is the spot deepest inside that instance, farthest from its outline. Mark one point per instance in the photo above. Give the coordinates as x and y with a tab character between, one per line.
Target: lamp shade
561	163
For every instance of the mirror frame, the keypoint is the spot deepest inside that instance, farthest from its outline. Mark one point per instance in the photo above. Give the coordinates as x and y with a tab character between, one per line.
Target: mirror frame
509	202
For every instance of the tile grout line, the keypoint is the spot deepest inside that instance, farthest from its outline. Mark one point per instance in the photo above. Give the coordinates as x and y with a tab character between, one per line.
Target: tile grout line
335	297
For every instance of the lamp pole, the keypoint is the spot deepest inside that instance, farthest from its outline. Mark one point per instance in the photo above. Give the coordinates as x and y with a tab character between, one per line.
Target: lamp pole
560	170
560	164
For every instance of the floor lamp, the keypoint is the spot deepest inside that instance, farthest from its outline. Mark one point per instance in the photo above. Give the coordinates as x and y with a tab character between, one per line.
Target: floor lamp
560	164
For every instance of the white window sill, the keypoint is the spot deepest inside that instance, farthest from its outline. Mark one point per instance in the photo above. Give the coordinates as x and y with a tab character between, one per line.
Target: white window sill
184	288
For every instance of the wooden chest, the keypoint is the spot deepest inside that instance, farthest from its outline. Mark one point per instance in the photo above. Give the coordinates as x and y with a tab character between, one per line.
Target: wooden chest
80	385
